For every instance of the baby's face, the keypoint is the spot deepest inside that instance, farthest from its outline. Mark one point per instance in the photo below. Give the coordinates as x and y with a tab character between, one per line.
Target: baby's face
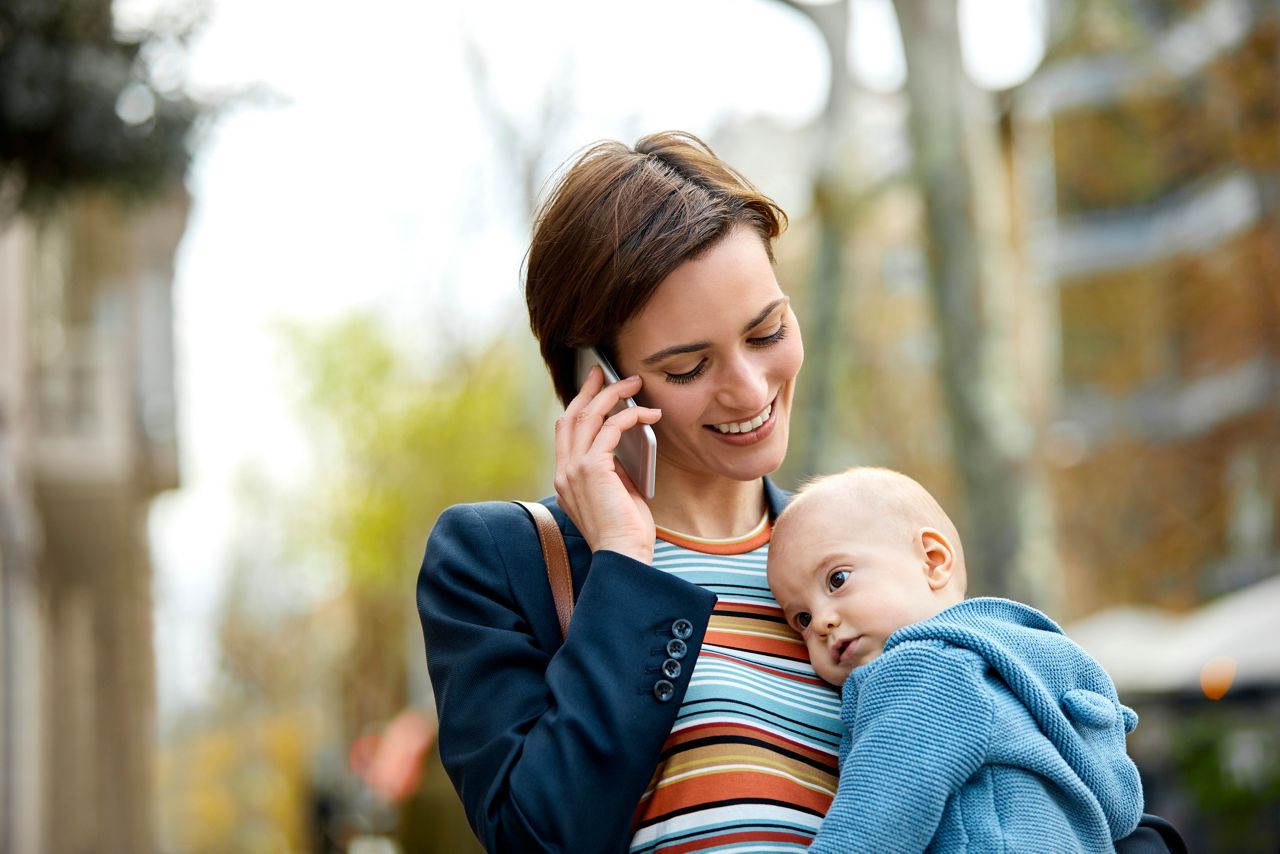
846	584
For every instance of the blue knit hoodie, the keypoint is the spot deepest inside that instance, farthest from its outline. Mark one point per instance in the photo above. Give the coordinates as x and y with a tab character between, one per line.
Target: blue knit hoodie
983	728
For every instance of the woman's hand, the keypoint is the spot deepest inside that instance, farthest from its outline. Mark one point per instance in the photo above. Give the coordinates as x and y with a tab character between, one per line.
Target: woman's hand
590	486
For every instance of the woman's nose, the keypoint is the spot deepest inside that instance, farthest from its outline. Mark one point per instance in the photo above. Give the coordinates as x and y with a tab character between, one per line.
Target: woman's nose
745	385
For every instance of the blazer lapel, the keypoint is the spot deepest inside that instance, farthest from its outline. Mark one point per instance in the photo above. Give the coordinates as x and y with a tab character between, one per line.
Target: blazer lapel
776	497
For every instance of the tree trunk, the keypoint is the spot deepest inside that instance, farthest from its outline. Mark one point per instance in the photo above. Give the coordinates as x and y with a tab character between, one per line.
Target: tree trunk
826	288
947	125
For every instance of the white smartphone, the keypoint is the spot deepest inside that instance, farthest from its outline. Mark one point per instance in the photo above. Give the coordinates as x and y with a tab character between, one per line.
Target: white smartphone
638	448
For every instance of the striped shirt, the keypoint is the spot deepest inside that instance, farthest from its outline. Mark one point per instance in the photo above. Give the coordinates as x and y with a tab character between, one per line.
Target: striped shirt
751	761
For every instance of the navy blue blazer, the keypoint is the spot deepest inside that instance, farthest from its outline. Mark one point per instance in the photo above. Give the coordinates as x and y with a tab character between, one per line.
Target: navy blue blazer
550	745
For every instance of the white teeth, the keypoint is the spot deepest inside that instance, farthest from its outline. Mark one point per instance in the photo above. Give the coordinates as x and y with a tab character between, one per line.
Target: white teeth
746	426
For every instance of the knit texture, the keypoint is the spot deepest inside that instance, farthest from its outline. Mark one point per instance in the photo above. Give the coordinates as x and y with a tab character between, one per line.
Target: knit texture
983	728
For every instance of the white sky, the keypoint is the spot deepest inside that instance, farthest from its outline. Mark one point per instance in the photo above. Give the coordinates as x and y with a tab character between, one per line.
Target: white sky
376	182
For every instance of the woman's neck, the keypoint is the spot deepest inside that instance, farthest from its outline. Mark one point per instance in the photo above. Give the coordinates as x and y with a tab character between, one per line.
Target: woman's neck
703	506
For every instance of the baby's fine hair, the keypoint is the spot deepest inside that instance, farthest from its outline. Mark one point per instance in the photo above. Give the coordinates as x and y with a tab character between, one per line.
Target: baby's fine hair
896	498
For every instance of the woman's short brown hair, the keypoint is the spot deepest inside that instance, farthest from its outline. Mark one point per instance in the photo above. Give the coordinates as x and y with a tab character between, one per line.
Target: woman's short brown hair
617	224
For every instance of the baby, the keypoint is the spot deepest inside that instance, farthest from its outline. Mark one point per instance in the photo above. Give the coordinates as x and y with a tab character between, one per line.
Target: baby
969	724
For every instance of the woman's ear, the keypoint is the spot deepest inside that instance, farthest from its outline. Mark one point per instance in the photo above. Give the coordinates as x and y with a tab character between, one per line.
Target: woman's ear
939	557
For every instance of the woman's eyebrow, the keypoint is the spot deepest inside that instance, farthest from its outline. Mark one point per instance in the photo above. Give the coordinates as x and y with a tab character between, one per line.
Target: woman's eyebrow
759	318
681	349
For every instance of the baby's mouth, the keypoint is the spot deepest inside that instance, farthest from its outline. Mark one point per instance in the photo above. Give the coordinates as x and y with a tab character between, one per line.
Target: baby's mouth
841	647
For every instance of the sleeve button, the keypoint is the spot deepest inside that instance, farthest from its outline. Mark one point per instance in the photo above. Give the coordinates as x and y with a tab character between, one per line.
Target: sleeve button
677	648
682	629
663	690
671	668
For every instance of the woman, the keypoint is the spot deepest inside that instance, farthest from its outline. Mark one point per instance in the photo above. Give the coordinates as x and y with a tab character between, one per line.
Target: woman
677	658
681	711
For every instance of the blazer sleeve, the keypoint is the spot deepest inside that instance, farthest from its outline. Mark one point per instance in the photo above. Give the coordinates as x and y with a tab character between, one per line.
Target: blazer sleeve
920	726
550	746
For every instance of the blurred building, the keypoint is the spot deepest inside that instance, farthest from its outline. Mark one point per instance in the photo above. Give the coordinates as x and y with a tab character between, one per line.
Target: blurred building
1149	152
87	438
1131	292
1206	686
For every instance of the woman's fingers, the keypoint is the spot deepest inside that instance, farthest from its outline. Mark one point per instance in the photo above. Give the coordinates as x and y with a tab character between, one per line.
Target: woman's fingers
586	422
590	388
627	482
615	425
586	436
596	493
568	421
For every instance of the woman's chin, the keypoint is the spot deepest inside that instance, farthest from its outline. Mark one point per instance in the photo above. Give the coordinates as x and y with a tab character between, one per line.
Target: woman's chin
757	461
710	455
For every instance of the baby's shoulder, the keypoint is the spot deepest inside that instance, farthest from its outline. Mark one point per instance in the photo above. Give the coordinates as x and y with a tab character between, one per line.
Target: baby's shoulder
918	668
928	655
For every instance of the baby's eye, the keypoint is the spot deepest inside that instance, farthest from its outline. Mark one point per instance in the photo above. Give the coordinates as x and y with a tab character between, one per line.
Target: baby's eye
837	579
803	619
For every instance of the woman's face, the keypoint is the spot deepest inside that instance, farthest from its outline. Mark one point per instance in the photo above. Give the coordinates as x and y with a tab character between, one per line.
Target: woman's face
718	349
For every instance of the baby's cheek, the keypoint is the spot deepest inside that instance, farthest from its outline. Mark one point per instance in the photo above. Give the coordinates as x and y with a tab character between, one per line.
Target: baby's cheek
815	649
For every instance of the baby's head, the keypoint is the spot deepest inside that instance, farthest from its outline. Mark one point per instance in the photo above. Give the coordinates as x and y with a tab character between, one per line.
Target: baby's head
857	556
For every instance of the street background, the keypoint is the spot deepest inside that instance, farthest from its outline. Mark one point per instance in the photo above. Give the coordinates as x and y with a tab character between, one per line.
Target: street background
261	321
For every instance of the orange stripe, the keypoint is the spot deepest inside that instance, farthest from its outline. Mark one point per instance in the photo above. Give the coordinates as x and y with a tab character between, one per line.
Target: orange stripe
753	624
723	607
742	836
788	649
731	785
734	730
737	547
713	760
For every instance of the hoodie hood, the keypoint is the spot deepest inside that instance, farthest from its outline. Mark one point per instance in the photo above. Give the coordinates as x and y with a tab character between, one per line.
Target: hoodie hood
1069	695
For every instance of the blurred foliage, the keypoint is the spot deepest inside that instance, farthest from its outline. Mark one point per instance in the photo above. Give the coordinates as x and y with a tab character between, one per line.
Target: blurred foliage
317	635
82	106
1231	770
399	446
239	785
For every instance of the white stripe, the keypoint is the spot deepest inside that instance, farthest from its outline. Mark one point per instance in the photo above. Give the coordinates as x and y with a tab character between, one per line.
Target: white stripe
812	693
749	814
720	717
730	599
729	631
802	668
746	687
712	570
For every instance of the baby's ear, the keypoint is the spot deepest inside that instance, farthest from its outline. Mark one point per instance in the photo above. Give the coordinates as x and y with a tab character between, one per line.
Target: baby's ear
939	557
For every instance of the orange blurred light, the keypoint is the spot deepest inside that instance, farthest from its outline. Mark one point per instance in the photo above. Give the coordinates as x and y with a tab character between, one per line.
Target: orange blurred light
1217	675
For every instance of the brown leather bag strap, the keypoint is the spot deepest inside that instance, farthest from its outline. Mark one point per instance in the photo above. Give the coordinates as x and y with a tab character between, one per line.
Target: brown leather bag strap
559	576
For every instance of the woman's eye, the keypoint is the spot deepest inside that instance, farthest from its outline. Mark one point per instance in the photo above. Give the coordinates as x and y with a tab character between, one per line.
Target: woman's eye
837	579
772	338
687	376
803	619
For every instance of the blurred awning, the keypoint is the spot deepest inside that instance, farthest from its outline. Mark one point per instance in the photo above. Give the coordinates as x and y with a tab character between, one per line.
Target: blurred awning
1230	644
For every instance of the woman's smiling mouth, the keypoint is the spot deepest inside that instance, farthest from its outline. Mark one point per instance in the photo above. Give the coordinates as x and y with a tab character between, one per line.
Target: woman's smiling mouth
745	426
750	431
